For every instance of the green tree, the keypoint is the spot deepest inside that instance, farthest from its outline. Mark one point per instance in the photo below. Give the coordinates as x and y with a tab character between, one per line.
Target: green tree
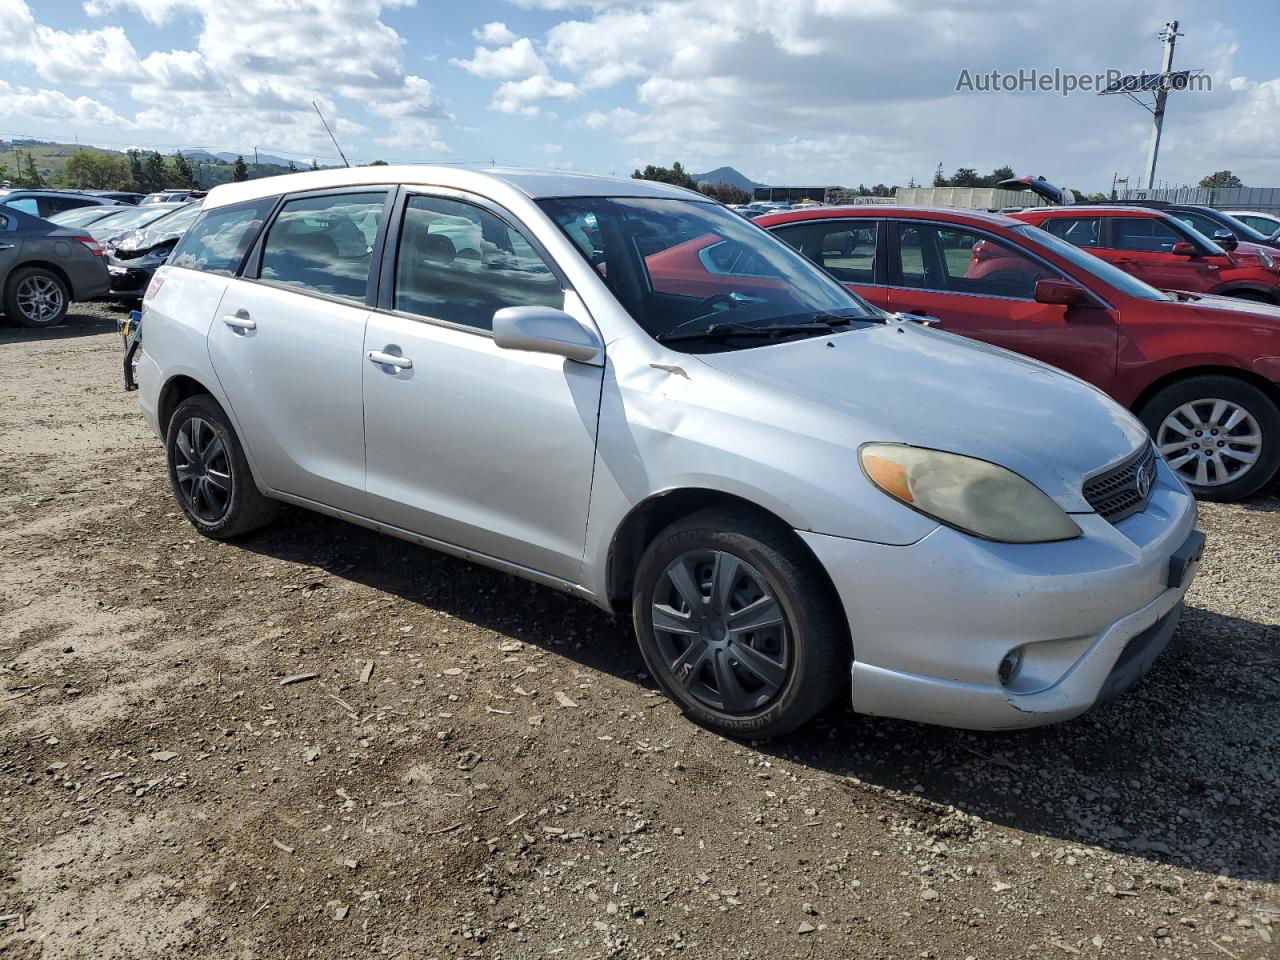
293	167
154	172
241	172
377	163
137	176
1222	178
965	177
998	174
676	175
314	165
96	170
4	172
182	172
28	175
939	178
724	192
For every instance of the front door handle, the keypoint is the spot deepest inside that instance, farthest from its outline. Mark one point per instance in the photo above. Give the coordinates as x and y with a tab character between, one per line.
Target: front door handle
6	246
390	360
239	320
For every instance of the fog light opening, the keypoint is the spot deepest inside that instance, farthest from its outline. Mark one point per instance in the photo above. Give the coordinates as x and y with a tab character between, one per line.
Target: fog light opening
1010	665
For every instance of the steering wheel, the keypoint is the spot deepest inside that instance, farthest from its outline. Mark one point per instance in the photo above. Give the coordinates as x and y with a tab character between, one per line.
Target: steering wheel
709	305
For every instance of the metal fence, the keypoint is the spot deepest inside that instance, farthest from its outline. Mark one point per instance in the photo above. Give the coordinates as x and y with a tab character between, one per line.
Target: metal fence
1261	199
969	198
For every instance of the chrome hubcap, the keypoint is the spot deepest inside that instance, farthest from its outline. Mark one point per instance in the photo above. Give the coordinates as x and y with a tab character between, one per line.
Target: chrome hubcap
722	631
203	470
40	299
1210	442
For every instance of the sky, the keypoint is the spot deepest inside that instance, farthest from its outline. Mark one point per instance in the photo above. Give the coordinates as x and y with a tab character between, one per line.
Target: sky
837	92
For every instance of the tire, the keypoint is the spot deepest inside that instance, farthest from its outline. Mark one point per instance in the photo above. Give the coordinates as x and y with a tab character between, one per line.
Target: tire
209	473
35	297
1174	415
782	674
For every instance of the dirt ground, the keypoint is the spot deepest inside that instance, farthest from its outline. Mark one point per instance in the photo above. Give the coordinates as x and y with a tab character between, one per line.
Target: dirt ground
478	767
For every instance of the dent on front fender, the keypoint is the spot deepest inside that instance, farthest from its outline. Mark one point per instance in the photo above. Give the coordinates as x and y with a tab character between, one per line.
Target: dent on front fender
675	423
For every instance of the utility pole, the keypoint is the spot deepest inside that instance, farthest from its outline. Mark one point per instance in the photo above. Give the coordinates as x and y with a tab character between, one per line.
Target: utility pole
256	172
1169	37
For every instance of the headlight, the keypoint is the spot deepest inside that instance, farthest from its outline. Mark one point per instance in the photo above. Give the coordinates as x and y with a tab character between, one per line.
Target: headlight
971	495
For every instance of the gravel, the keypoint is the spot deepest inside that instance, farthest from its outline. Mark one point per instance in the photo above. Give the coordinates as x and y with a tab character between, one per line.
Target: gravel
467	765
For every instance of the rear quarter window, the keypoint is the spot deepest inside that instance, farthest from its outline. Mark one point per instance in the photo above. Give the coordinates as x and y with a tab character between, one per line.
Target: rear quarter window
218	241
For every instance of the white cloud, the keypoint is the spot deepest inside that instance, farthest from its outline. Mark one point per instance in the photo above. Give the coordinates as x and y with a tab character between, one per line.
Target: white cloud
495	33
518	59
521	96
55	105
251	73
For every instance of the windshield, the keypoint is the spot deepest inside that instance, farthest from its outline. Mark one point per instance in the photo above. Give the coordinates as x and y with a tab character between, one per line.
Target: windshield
1243	230
79	216
684	265
1112	276
161	221
136	217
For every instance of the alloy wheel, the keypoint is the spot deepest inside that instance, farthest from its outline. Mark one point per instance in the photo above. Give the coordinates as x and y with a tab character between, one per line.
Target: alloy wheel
722	631
1210	442
203	470
39	298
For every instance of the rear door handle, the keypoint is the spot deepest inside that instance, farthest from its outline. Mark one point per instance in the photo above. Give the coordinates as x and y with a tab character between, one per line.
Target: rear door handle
239	320
390	360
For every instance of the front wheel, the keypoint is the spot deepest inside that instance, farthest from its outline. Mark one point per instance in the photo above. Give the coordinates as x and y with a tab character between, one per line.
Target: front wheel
209	473
1219	434
35	297
738	624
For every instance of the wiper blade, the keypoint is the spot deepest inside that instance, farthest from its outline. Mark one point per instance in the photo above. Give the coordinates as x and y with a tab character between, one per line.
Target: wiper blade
724	331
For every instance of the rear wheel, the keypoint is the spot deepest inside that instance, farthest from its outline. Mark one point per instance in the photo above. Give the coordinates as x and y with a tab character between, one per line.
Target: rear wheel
209	473
738	624
1219	434
35	297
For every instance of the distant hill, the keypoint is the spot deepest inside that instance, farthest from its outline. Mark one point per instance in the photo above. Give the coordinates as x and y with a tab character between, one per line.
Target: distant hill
727	175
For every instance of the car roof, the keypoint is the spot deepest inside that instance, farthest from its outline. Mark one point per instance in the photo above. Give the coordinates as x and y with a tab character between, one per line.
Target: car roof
532	183
1093	209
882	210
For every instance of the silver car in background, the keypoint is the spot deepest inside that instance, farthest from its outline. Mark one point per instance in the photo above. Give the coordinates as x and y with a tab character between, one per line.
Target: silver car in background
622	390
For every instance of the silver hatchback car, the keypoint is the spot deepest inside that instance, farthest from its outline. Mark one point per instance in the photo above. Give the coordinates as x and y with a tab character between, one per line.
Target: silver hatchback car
623	390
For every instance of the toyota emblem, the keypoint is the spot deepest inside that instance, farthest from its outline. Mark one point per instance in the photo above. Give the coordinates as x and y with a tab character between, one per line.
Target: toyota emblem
1144	483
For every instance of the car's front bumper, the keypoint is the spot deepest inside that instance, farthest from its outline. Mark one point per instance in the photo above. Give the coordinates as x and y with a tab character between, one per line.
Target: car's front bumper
931	622
129	278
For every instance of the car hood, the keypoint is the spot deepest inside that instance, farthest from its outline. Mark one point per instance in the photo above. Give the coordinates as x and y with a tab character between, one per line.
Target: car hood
144	238
1211	307
904	383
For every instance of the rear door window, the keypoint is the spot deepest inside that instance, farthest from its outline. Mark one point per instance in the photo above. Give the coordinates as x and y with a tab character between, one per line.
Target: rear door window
218	242
324	244
847	249
1079	231
25	205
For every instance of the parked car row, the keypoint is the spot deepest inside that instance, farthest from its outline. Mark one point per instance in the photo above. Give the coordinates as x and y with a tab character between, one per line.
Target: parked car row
126	243
625	391
1201	371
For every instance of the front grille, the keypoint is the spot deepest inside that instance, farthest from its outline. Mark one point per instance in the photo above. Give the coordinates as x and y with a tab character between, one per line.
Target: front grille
1124	490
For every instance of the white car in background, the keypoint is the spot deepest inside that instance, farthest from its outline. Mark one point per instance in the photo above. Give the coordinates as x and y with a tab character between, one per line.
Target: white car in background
794	494
1268	224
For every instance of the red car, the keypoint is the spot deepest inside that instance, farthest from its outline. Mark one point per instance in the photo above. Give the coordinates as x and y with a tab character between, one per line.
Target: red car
1163	250
1201	371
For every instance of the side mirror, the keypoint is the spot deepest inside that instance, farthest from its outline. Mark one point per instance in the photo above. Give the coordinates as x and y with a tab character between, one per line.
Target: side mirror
1183	249
1061	292
1226	240
546	330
